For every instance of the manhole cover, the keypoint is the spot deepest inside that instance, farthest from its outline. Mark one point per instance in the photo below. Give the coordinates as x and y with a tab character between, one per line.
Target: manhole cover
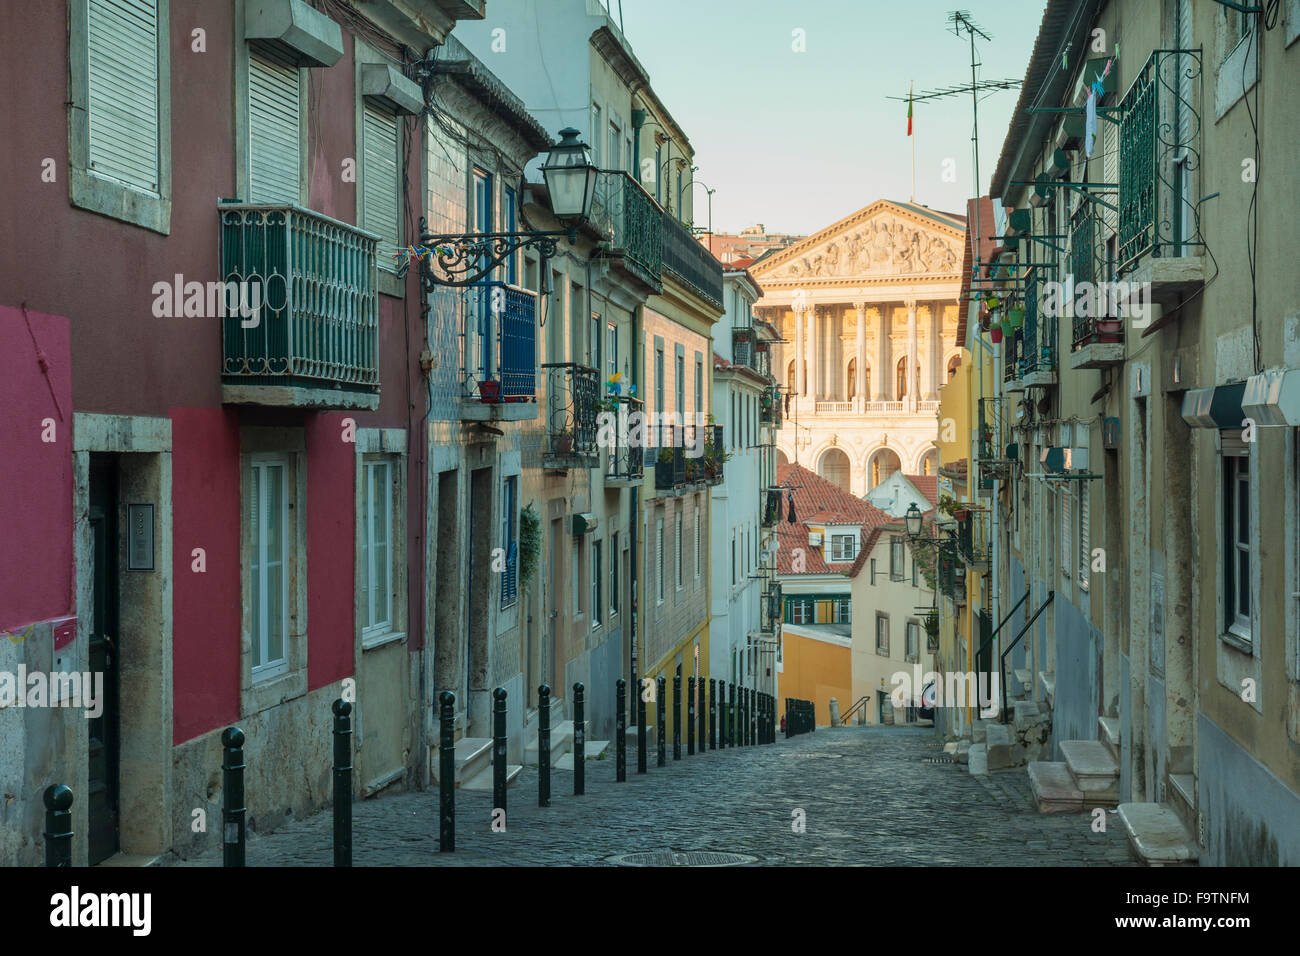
672	858
811	755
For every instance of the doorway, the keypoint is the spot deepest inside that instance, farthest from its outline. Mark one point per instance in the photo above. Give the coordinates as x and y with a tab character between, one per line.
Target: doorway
104	786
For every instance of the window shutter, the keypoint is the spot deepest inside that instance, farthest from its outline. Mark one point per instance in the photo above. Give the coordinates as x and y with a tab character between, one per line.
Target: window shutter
122	54
1067	528
1085	542
379	207
273	129
1110	171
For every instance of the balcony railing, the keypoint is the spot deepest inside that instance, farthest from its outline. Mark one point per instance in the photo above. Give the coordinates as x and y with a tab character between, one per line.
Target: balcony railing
631	224
973	537
572	407
952	577
769	406
670	465
742	348
692	264
1038	344
713	462
773	505
1158	135
626	459
315	337
500	345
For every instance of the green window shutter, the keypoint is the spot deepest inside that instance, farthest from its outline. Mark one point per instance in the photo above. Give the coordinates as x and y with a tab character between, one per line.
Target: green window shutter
379	207
122	54
273	129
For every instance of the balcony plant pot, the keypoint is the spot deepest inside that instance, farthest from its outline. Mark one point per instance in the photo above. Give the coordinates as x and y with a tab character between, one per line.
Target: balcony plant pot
489	392
995	333
1108	330
961	514
562	444
1015	319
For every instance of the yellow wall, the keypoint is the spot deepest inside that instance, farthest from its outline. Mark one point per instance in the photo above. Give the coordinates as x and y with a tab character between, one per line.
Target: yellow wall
817	671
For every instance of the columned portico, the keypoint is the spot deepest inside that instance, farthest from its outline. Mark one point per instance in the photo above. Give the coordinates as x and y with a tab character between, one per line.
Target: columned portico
836	298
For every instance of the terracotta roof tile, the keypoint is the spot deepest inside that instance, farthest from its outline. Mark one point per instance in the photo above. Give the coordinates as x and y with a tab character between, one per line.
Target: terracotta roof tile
817	501
927	485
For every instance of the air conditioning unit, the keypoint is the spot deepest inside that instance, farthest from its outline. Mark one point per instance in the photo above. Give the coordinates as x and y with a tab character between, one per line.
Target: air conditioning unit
814	539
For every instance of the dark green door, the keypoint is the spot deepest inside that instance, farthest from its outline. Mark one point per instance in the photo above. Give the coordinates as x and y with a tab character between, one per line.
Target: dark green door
103	798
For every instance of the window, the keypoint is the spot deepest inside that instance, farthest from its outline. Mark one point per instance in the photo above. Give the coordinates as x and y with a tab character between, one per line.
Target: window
659	174
615	144
510	223
611	349
843	547
801	611
274	128
679	384
698	559
593	340
659	379
594	139
510	541
659	560
913	641
733	559
896	558
597	581
916	575
614	561
677	548
482	210
882	634
842	611
873	571
1236	537
269	564
380	192
376	547
699	386
123	60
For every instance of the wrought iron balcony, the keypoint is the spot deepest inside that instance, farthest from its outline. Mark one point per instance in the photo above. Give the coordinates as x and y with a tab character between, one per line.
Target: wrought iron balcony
743	348
1013	344
769	406
314	341
630	223
990	450
952	577
973	538
572	407
690	263
1038	345
670	466
499	371
715	452
1158	136
626	459
1098	337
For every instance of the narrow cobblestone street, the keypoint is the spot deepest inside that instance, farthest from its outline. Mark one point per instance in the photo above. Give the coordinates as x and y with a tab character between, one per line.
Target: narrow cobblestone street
871	796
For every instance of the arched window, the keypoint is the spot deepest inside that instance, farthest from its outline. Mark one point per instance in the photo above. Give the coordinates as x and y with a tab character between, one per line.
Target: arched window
883	464
834	467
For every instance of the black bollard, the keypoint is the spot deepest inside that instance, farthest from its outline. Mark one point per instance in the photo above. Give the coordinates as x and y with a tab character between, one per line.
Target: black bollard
544	746
722	715
702	723
731	714
661	712
620	729
447	773
342	782
232	797
579	741
789	719
58	826
499	742
640	727
677	715
690	716
713	713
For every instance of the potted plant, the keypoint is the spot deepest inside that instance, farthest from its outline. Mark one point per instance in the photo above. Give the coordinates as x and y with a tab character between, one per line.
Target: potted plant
562	443
932	622
489	391
1015	319
1108	330
961	514
995	332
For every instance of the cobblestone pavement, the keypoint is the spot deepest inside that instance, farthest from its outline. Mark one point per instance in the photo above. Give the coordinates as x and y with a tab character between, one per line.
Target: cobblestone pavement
871	796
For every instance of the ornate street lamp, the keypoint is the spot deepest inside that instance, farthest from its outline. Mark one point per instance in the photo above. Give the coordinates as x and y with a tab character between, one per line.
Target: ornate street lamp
466	259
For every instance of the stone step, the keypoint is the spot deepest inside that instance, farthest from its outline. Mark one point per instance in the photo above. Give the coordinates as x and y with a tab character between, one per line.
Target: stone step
1094	770
473	754
1157	836
1108	732
594	749
1024	678
979	730
1048	682
998	746
1053	788
977	759
650	737
561	743
484	781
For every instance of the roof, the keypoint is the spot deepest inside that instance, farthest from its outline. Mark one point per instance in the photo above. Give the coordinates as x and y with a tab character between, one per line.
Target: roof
457	62
1065	27
817	501
927	485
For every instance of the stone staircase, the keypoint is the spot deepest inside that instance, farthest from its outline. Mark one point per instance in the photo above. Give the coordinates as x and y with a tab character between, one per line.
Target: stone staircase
474	765
1088	776
562	756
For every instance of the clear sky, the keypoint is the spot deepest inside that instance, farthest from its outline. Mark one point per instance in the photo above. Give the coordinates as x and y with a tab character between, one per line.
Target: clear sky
799	140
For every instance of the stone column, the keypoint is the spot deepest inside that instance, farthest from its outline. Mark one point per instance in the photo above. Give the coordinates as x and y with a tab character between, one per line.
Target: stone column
879	381
860	386
814	359
798	350
911	355
928	378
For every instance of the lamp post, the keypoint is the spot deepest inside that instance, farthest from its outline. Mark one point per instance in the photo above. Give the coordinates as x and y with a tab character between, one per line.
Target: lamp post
461	260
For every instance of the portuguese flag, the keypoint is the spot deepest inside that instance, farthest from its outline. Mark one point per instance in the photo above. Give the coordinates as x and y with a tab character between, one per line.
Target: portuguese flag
909	110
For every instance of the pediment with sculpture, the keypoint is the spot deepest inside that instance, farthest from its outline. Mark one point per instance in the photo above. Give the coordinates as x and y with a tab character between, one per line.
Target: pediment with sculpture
882	244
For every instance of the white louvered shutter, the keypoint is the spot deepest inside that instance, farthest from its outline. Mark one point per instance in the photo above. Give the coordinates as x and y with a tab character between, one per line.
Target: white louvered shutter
1110	173
379	207
122	55
273	128
1067	526
1085	541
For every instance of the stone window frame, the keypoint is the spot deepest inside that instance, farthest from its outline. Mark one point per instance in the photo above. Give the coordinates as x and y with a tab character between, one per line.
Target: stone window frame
388	444
1237	657
882	651
257	695
1232	58
87	189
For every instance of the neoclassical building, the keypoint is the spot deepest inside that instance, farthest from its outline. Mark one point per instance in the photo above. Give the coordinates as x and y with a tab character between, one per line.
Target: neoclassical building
867	310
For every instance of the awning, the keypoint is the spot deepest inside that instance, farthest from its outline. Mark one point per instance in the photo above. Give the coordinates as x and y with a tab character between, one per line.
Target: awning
308	36
383	82
1218	407
1273	397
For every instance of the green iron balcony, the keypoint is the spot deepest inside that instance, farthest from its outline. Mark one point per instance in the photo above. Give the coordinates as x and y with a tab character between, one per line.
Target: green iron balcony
973	538
630	224
1011	349
1098	338
314	342
1159	223
626	463
769	406
1038	346
690	263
